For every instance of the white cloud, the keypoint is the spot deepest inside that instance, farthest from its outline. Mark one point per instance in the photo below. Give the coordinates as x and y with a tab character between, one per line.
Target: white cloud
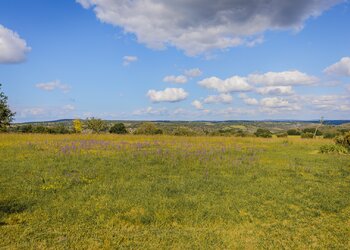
50	86
13	49
233	84
193	72
275	90
284	78
197	27
251	101
175	79
247	100
167	95
222	98
197	104
276	104
341	68
68	107
129	59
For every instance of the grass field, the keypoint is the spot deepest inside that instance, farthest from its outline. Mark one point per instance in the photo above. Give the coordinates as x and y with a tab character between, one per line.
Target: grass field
164	192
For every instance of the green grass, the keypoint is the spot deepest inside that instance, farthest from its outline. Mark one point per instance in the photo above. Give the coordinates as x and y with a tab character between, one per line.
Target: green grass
161	192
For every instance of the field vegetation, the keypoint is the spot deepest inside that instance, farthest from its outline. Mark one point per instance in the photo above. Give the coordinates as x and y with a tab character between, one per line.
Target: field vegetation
102	191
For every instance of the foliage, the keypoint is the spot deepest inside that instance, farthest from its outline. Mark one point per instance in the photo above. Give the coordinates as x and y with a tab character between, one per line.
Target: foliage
265	133
96	125
329	135
184	131
343	140
307	135
282	135
77	126
312	131
333	148
293	132
6	115
148	128
118	128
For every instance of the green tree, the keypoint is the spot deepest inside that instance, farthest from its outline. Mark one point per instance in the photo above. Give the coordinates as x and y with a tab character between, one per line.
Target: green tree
118	128
265	133
96	125
148	128
6	115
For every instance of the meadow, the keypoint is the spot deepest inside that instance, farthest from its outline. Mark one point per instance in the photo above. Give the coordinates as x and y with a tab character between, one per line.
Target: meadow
167	192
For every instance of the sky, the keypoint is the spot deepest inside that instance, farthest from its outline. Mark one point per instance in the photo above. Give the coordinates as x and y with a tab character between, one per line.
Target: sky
176	60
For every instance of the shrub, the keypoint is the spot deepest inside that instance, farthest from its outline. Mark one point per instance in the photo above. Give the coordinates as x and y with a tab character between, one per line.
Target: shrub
329	135
39	129
343	140
96	125
307	135
28	128
265	133
331	148
118	128
312	131
184	131
58	129
293	132
281	135
148	128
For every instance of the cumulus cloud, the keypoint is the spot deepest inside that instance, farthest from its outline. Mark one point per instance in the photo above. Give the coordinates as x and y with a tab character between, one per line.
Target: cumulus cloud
233	84
251	101
275	90
175	79
129	59
197	104
222	98
199	26
284	78
50	86
277	104
167	95
341	68
13	48
247	100
193	72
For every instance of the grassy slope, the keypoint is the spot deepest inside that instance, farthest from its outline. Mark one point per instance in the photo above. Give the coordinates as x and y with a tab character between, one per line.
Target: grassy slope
171	192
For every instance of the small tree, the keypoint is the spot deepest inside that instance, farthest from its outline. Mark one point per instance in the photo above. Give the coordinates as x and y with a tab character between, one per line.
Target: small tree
265	133
148	128
118	128
77	125
96	125
6	115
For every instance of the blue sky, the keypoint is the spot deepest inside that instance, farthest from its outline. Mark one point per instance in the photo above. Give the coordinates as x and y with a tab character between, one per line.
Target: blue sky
184	60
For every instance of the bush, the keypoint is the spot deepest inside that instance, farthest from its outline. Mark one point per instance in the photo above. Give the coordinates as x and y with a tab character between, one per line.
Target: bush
265	133
148	128
307	135
293	132
96	125
329	135
282	135
312	131
58	129
343	140
118	128
184	131
28	128
331	148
